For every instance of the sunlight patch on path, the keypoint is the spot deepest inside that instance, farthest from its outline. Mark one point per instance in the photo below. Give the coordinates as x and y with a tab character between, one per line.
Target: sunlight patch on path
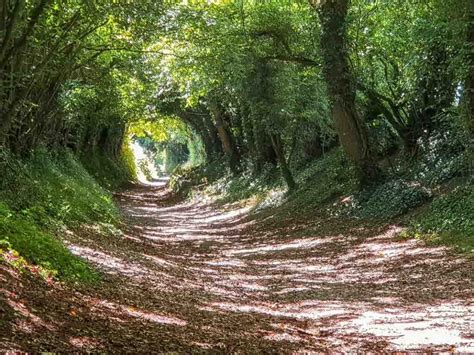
297	244
448	323
303	310
109	263
351	288
130	311
85	343
440	325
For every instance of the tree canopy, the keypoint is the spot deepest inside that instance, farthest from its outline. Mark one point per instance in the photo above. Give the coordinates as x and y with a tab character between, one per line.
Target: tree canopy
259	82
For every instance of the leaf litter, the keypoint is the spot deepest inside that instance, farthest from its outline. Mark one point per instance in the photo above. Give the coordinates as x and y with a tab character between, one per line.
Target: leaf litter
191	276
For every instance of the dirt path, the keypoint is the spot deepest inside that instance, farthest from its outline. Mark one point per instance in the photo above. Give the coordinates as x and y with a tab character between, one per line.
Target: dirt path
193	277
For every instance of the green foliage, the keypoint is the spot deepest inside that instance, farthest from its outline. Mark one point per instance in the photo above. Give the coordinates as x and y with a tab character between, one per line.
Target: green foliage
127	164
323	180
70	58
449	219
186	177
197	154
218	181
111	172
248	184
23	234
56	186
388	200
41	194
143	166
205	82
175	154
444	156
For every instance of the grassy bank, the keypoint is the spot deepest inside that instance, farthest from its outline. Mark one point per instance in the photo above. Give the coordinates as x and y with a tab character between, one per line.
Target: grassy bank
47	193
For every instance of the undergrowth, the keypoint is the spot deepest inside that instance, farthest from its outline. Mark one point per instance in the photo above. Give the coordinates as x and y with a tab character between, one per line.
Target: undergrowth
449	220
188	178
247	185
385	201
324	180
41	196
329	185
111	173
20	233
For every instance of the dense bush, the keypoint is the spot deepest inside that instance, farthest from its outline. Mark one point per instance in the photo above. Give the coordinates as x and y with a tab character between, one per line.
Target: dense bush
323	180
443	156
56	186
109	172
184	177
219	180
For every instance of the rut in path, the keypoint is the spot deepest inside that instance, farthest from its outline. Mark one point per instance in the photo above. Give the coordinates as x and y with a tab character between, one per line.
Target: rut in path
192	276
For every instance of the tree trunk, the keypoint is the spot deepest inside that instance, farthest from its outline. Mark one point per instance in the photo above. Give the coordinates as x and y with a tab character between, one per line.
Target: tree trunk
226	139
280	153
210	128
263	99
349	126
470	78
7	31
265	153
23	39
3	19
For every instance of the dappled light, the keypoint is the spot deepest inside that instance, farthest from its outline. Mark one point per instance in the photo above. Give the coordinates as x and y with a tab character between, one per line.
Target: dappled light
130	311
178	266
309	291
85	343
109	263
237	177
374	278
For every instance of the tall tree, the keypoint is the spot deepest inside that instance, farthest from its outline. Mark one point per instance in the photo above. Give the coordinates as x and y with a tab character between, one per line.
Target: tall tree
225	135
268	112
470	57
349	126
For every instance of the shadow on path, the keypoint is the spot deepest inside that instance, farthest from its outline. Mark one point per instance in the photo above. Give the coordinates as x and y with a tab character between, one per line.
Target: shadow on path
192	276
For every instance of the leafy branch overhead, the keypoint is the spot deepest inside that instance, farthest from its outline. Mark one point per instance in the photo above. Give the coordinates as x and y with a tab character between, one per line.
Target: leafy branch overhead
244	176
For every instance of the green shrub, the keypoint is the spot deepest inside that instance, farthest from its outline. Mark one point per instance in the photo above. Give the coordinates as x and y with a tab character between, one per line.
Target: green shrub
248	184
449	219
442	156
110	172
390	199
59	187
323	180
186	176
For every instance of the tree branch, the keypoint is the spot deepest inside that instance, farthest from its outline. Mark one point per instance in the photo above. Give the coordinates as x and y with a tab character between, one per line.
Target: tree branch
299	60
11	26
35	16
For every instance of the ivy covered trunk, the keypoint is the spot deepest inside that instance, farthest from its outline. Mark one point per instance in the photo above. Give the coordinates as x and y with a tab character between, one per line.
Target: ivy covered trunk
347	122
228	142
280	153
470	78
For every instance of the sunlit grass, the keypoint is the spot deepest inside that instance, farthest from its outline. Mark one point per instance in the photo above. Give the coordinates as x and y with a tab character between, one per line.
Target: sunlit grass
449	220
42	196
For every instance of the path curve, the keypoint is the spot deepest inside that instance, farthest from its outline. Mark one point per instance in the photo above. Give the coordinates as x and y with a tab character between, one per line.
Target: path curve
193	277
